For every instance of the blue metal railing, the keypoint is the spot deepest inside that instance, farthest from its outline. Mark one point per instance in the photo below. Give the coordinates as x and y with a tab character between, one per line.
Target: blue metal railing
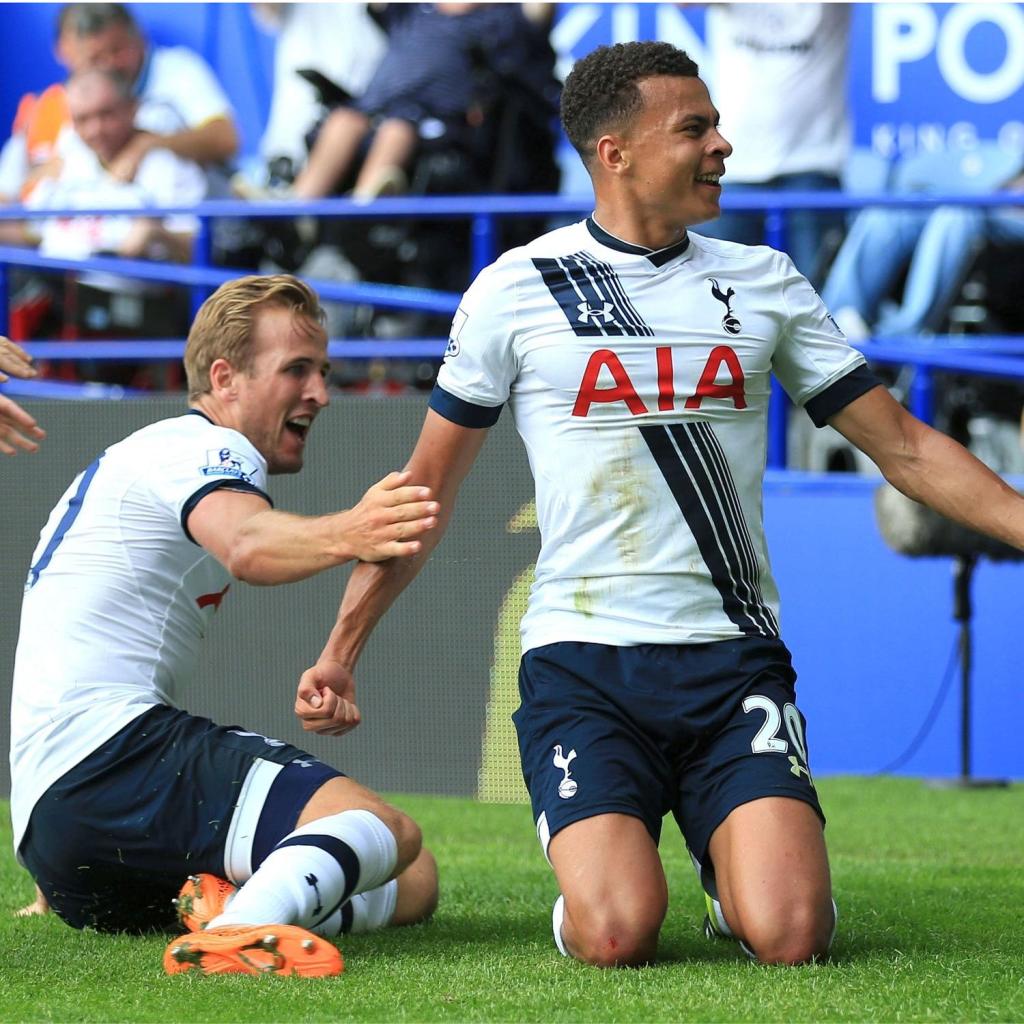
483	213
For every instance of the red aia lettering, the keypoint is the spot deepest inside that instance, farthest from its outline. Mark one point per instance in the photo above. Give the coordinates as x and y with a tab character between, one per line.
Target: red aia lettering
706	386
666	389
622	392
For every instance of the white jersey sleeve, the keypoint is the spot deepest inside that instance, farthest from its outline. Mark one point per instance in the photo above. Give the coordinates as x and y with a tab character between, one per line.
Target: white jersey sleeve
813	361
196	465
480	364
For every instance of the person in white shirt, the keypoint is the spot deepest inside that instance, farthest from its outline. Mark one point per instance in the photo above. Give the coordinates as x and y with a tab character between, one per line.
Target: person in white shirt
116	794
182	106
102	112
636	357
778	74
340	40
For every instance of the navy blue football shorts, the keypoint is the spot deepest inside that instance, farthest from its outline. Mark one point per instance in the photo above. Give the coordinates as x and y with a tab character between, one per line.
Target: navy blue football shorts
695	729
112	841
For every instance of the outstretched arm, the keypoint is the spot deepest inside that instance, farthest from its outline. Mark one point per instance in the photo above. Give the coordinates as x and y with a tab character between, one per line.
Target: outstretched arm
325	703
263	546
932	468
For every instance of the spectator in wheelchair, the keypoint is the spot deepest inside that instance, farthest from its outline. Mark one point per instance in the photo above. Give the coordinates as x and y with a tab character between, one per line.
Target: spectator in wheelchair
323	53
445	65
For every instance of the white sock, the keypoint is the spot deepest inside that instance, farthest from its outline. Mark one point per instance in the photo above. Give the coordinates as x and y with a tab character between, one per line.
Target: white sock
557	916
365	912
312	872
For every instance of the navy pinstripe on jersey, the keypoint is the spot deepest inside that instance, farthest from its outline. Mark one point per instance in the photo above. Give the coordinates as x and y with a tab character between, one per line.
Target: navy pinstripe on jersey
643	414
697	472
591	297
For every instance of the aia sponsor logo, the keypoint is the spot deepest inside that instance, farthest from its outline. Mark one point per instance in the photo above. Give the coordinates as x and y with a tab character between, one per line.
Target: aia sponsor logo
721	378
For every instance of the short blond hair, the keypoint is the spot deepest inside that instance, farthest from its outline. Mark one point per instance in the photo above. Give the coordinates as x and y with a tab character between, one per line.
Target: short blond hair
223	326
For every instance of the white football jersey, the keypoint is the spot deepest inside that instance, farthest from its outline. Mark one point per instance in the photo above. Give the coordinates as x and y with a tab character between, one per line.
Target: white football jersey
118	596
639	383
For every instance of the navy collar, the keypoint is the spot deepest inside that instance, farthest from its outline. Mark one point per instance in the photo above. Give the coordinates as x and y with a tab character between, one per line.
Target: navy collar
659	257
199	412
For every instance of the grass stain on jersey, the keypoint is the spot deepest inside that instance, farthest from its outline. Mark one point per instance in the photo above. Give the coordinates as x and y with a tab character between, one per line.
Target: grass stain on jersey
623	488
583	598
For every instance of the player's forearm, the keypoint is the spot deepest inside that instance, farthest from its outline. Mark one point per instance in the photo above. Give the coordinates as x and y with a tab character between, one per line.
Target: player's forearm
212	143
943	475
279	547
148	239
372	588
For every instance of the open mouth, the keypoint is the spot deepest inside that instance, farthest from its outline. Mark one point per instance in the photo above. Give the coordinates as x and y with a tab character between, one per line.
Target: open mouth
709	179
299	426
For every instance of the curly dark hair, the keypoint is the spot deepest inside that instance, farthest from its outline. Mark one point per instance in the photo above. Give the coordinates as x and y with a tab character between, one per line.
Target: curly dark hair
601	91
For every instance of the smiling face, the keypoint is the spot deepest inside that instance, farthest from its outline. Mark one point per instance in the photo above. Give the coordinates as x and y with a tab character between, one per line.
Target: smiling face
658	173
277	398
674	152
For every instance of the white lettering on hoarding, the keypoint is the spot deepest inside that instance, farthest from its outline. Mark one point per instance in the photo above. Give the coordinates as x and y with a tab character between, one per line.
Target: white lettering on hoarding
907	33
620	23
992	86
901	34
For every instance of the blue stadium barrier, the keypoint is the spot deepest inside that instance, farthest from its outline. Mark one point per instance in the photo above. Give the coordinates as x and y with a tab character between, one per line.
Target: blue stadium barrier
483	213
68	390
173	349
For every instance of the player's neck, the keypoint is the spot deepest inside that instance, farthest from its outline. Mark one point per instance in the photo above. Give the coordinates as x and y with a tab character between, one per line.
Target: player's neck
213	410
637	226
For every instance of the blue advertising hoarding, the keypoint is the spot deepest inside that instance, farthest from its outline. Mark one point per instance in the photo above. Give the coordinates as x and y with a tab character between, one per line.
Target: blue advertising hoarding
922	76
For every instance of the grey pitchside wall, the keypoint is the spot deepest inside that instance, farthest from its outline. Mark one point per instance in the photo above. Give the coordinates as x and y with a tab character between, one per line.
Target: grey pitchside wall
870	631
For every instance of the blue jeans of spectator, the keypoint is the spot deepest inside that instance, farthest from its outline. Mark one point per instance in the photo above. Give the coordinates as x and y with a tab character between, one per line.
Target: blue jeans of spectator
804	229
940	246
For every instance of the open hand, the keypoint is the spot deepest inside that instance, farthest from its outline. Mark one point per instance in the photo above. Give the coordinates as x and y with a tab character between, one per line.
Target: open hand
17	428
388	519
125	165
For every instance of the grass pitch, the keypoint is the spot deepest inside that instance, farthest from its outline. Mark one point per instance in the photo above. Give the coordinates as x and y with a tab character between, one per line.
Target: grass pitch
930	887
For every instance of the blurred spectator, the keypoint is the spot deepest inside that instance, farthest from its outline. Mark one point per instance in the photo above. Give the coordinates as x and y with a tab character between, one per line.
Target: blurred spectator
936	247
34	133
341	42
425	91
102	111
182	107
778	76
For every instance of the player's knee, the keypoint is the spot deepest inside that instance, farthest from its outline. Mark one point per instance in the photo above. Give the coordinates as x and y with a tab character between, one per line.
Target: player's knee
408	836
799	935
610	936
418	891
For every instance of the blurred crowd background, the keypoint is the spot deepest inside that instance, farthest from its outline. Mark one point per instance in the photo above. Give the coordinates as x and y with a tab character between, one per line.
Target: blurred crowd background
123	106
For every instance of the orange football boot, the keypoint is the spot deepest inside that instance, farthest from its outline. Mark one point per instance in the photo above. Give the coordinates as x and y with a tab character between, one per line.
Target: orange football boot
283	949
201	899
